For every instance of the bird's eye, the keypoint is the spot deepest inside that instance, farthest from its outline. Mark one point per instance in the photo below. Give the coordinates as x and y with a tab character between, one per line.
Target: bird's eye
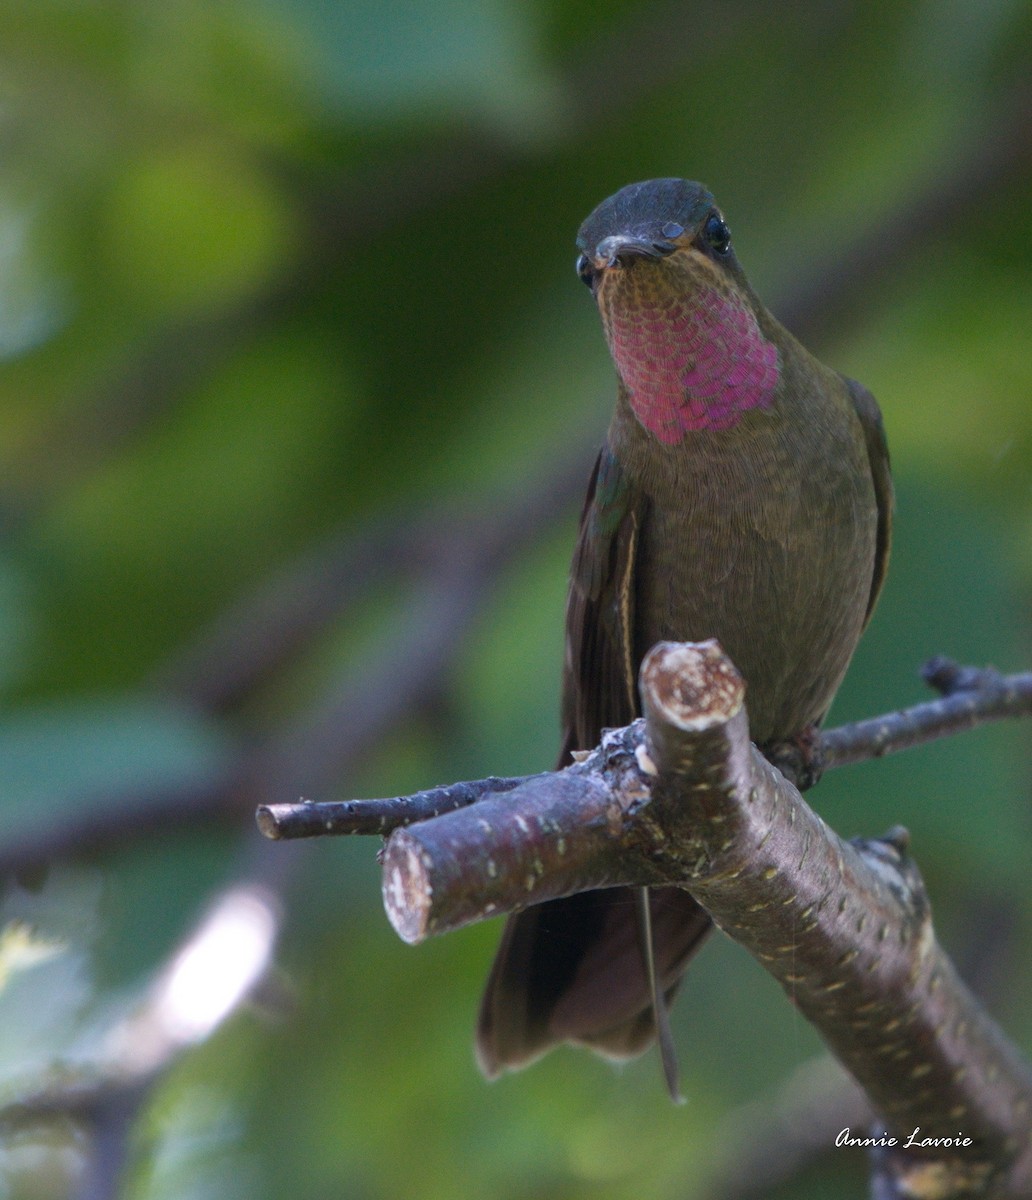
585	270
717	234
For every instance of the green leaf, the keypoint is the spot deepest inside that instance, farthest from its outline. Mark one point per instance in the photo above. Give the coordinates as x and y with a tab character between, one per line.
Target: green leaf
464	58
55	760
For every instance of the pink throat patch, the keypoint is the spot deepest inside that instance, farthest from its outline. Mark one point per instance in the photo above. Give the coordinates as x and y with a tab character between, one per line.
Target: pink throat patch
694	363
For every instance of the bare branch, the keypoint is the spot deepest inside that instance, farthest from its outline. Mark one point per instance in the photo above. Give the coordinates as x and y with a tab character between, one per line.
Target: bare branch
376	816
973	697
771	1139
682	798
529	847
846	930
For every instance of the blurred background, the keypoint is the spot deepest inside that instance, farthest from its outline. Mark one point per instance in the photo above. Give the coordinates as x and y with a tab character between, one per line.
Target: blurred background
299	394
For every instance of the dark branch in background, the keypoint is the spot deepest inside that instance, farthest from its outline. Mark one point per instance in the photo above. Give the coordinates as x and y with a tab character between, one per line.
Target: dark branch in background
972	696
453	581
994	154
681	798
444	550
465	564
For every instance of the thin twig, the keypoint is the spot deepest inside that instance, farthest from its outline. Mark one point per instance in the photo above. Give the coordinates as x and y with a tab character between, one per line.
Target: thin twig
985	696
308	819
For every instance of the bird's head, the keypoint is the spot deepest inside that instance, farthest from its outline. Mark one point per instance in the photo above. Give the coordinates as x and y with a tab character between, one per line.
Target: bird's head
679	315
662	219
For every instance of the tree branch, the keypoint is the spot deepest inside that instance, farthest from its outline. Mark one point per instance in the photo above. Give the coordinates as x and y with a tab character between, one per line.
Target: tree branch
971	697
309	819
773	1138
682	798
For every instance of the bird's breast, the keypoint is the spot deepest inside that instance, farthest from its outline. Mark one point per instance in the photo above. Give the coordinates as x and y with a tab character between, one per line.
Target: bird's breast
763	536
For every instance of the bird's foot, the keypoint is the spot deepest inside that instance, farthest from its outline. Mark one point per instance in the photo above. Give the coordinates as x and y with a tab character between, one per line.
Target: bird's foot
800	758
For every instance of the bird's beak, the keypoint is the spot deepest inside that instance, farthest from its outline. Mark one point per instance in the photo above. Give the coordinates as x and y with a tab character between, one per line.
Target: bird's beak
622	248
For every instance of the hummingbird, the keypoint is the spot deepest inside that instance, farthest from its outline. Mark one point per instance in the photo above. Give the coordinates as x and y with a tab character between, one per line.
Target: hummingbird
743	492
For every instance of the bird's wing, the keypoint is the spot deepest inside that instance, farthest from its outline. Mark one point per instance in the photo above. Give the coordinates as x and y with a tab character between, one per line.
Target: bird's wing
878	455
599	684
573	969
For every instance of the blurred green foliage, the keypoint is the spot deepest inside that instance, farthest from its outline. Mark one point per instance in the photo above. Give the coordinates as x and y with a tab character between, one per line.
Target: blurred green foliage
272	270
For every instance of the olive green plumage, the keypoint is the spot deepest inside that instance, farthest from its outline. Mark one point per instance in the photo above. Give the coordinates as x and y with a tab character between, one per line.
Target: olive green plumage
743	493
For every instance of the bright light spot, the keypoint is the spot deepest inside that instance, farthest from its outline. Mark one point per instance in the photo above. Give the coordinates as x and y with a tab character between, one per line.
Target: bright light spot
217	967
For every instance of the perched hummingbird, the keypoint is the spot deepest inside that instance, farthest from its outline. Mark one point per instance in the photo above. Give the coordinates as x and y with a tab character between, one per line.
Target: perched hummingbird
743	492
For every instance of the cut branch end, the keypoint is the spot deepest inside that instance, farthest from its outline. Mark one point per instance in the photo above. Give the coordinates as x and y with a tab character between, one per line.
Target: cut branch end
692	685
268	825
407	890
